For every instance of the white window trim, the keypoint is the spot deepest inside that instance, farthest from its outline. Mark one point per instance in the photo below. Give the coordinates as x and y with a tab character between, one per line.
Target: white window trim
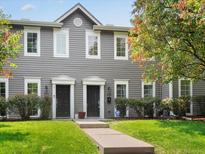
63	30
6	81
32	30
149	83
191	92
33	80
120	35
121	82
92	33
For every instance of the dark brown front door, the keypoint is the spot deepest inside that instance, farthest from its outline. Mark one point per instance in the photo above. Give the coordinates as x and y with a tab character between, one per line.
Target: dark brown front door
62	101
93	100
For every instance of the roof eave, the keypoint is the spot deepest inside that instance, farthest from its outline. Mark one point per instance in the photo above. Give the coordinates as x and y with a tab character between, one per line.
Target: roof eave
111	28
36	23
83	9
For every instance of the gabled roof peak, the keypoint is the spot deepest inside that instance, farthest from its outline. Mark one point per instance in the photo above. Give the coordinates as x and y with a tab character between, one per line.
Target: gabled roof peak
83	9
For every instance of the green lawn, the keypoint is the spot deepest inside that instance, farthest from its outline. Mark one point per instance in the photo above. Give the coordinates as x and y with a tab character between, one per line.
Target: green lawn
172	137
39	137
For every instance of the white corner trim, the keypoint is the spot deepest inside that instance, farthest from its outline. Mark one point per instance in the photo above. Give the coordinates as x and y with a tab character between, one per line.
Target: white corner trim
121	82
120	35
92	33
6	81
153	87
32	30
171	89
60	31
74	9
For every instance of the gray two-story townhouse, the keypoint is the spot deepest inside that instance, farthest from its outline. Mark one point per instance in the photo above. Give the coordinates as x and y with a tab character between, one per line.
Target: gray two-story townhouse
83	65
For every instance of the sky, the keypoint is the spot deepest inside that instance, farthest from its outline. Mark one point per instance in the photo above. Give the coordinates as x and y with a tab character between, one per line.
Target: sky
116	12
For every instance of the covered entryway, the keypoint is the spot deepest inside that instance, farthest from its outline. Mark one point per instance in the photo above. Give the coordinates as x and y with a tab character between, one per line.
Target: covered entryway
93	96
93	101
62	101
63	97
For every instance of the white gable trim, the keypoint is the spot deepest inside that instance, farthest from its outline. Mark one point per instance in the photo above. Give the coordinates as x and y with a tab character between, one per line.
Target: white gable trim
78	6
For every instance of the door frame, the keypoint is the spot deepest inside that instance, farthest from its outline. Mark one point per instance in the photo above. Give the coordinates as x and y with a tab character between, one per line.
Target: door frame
93	80
63	80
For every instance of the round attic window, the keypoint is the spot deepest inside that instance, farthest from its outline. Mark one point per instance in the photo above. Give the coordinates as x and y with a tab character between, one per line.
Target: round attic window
77	22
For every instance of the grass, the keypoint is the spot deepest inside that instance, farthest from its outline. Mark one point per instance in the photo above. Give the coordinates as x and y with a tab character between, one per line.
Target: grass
170	137
44	137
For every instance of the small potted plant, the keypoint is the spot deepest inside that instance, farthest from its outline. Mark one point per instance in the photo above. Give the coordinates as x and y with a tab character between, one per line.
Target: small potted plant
81	115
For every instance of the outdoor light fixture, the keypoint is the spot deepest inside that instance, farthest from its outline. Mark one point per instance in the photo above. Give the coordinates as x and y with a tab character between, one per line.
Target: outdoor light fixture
46	90
108	95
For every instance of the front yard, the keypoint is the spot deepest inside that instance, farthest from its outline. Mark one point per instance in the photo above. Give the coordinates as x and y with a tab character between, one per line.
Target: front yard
173	137
49	137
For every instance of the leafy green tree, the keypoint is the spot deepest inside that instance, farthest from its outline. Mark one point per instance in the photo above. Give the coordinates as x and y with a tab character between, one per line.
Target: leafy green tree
9	45
173	32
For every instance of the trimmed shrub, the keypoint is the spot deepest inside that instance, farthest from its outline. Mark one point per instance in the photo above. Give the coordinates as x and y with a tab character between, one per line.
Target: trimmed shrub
45	107
137	105
3	106
149	105
179	105
121	105
24	104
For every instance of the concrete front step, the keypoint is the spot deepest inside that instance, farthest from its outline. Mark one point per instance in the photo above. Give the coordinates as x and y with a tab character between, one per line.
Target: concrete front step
114	142
91	124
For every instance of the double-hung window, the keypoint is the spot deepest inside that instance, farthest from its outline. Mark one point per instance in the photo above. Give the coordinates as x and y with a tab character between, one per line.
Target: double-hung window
31	41
4	88
33	86
148	89
185	89
61	42
120	46
121	88
92	44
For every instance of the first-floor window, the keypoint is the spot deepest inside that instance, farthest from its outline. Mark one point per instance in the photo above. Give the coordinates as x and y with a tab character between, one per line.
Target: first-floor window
32	86
185	90
3	89
121	88
148	89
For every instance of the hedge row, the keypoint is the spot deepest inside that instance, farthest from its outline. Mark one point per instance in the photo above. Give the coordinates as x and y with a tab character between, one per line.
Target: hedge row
150	106
24	104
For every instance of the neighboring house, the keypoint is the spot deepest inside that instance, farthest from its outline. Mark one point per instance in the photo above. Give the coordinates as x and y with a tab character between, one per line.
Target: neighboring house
83	65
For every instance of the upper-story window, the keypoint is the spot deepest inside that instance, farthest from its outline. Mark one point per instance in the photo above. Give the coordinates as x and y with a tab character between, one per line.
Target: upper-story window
31	41
61	42
92	44
120	46
148	89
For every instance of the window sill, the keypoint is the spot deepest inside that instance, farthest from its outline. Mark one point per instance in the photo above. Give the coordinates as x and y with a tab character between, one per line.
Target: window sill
121	58
92	57
61	56
32	55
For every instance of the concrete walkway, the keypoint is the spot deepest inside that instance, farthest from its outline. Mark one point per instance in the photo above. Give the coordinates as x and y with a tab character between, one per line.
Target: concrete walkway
110	141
